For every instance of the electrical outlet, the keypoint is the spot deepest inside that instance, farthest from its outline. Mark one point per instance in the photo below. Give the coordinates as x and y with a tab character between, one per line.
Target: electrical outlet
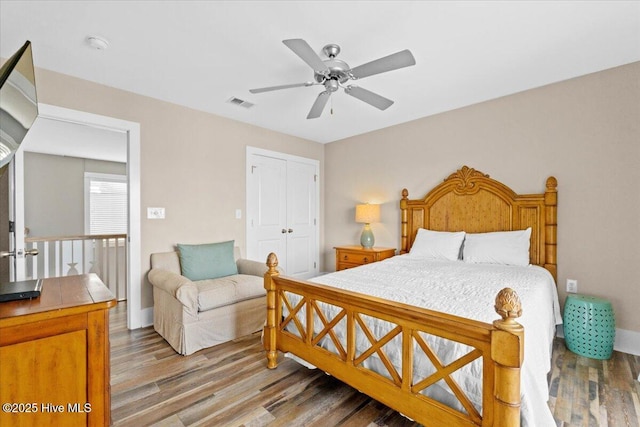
572	286
155	213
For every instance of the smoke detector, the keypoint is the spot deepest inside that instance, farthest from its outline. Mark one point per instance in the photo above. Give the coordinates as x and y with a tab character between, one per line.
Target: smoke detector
98	43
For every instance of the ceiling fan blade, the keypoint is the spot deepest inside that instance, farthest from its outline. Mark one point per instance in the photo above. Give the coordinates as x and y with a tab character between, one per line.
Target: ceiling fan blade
369	97
268	89
304	51
394	61
318	105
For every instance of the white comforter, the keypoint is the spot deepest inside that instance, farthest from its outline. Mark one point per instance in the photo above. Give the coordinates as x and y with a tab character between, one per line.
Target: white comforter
469	290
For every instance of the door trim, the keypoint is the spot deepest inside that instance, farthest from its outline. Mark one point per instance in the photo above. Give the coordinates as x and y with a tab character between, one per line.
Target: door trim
282	156
134	254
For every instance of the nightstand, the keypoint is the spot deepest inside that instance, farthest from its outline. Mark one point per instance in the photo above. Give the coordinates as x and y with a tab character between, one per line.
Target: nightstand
353	256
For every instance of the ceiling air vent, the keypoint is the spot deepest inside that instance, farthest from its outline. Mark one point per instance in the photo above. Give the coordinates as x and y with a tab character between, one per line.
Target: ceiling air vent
240	102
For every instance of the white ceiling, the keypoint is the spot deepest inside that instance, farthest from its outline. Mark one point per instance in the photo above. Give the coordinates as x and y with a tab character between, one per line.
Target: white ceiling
201	53
61	138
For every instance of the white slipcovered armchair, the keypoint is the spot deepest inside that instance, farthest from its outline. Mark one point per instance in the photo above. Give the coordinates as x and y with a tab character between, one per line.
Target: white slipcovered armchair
192	315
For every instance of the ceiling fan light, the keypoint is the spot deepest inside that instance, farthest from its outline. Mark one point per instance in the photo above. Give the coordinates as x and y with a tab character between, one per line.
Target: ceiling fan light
331	85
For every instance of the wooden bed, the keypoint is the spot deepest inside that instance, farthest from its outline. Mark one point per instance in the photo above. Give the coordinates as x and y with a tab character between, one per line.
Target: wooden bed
467	200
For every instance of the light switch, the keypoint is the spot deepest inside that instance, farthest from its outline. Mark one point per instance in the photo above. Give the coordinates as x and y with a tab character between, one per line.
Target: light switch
155	213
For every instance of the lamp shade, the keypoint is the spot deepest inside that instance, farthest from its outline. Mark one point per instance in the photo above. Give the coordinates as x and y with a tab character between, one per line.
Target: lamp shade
367	213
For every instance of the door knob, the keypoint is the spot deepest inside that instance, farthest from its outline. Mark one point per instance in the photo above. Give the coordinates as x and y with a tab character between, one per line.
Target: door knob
7	254
290	230
284	230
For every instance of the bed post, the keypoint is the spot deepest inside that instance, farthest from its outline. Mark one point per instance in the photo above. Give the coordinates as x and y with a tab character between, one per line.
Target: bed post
551	226
404	218
507	353
269	335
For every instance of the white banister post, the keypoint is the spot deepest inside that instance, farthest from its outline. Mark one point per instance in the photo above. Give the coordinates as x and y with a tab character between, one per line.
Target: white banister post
117	256
45	261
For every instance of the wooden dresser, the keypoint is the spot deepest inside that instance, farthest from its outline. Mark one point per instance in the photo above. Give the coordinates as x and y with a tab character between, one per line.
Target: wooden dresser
54	355
353	256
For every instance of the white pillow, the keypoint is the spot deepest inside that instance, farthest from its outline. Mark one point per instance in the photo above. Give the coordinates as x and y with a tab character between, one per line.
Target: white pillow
431	244
500	247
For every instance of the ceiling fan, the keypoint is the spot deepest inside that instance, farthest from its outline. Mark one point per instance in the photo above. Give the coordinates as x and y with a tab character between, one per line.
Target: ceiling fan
333	73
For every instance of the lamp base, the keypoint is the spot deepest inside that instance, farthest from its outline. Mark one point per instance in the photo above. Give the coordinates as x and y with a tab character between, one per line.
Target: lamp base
366	239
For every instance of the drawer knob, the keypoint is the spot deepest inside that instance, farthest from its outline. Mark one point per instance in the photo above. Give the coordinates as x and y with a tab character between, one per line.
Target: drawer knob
346	257
366	259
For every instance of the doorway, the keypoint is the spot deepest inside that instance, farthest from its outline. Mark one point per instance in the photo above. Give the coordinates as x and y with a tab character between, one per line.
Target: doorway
132	132
5	241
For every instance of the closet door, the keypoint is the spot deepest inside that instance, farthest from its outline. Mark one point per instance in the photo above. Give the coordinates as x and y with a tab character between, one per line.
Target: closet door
282	210
301	219
267	208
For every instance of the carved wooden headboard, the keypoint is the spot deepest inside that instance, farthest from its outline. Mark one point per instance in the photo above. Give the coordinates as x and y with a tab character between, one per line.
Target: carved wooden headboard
468	200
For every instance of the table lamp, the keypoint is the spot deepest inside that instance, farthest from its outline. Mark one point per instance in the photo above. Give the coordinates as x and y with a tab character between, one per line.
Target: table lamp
367	214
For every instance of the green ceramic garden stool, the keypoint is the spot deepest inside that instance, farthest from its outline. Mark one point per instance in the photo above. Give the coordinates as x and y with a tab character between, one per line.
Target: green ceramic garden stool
589	326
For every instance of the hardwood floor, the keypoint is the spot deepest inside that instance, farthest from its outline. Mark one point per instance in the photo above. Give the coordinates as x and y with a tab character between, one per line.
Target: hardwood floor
229	385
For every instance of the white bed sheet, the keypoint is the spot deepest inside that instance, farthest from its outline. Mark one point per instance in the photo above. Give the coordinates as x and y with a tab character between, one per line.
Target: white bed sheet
466	290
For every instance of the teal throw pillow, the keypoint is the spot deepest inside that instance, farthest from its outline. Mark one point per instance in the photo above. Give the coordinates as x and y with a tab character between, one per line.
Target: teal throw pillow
207	261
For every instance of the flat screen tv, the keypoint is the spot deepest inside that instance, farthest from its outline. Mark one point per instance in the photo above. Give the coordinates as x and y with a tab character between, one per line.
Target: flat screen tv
18	102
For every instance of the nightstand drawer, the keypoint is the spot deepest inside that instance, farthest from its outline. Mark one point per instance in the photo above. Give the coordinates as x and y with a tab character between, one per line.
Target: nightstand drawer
354	256
345	265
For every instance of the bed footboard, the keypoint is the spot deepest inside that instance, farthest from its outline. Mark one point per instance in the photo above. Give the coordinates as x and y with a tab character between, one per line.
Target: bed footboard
300	326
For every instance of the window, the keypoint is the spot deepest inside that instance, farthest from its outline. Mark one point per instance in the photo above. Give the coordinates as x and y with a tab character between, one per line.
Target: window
105	203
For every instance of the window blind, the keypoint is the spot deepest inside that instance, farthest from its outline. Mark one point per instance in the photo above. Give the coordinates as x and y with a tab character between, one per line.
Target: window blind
107	206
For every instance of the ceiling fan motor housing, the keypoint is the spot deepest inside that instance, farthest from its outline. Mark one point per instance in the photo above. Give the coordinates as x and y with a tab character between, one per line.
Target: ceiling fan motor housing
338	70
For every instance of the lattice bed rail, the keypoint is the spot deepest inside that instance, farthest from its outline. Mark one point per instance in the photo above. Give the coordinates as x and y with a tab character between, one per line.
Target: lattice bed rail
334	330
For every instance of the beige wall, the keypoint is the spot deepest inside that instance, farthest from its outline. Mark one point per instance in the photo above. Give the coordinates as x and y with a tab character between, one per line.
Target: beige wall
585	132
54	192
192	163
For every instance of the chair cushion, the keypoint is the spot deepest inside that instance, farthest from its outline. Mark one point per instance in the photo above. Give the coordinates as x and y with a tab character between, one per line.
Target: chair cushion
207	261
227	290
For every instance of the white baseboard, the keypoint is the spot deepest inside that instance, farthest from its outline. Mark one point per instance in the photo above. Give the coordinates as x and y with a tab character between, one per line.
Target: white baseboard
146	315
626	341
